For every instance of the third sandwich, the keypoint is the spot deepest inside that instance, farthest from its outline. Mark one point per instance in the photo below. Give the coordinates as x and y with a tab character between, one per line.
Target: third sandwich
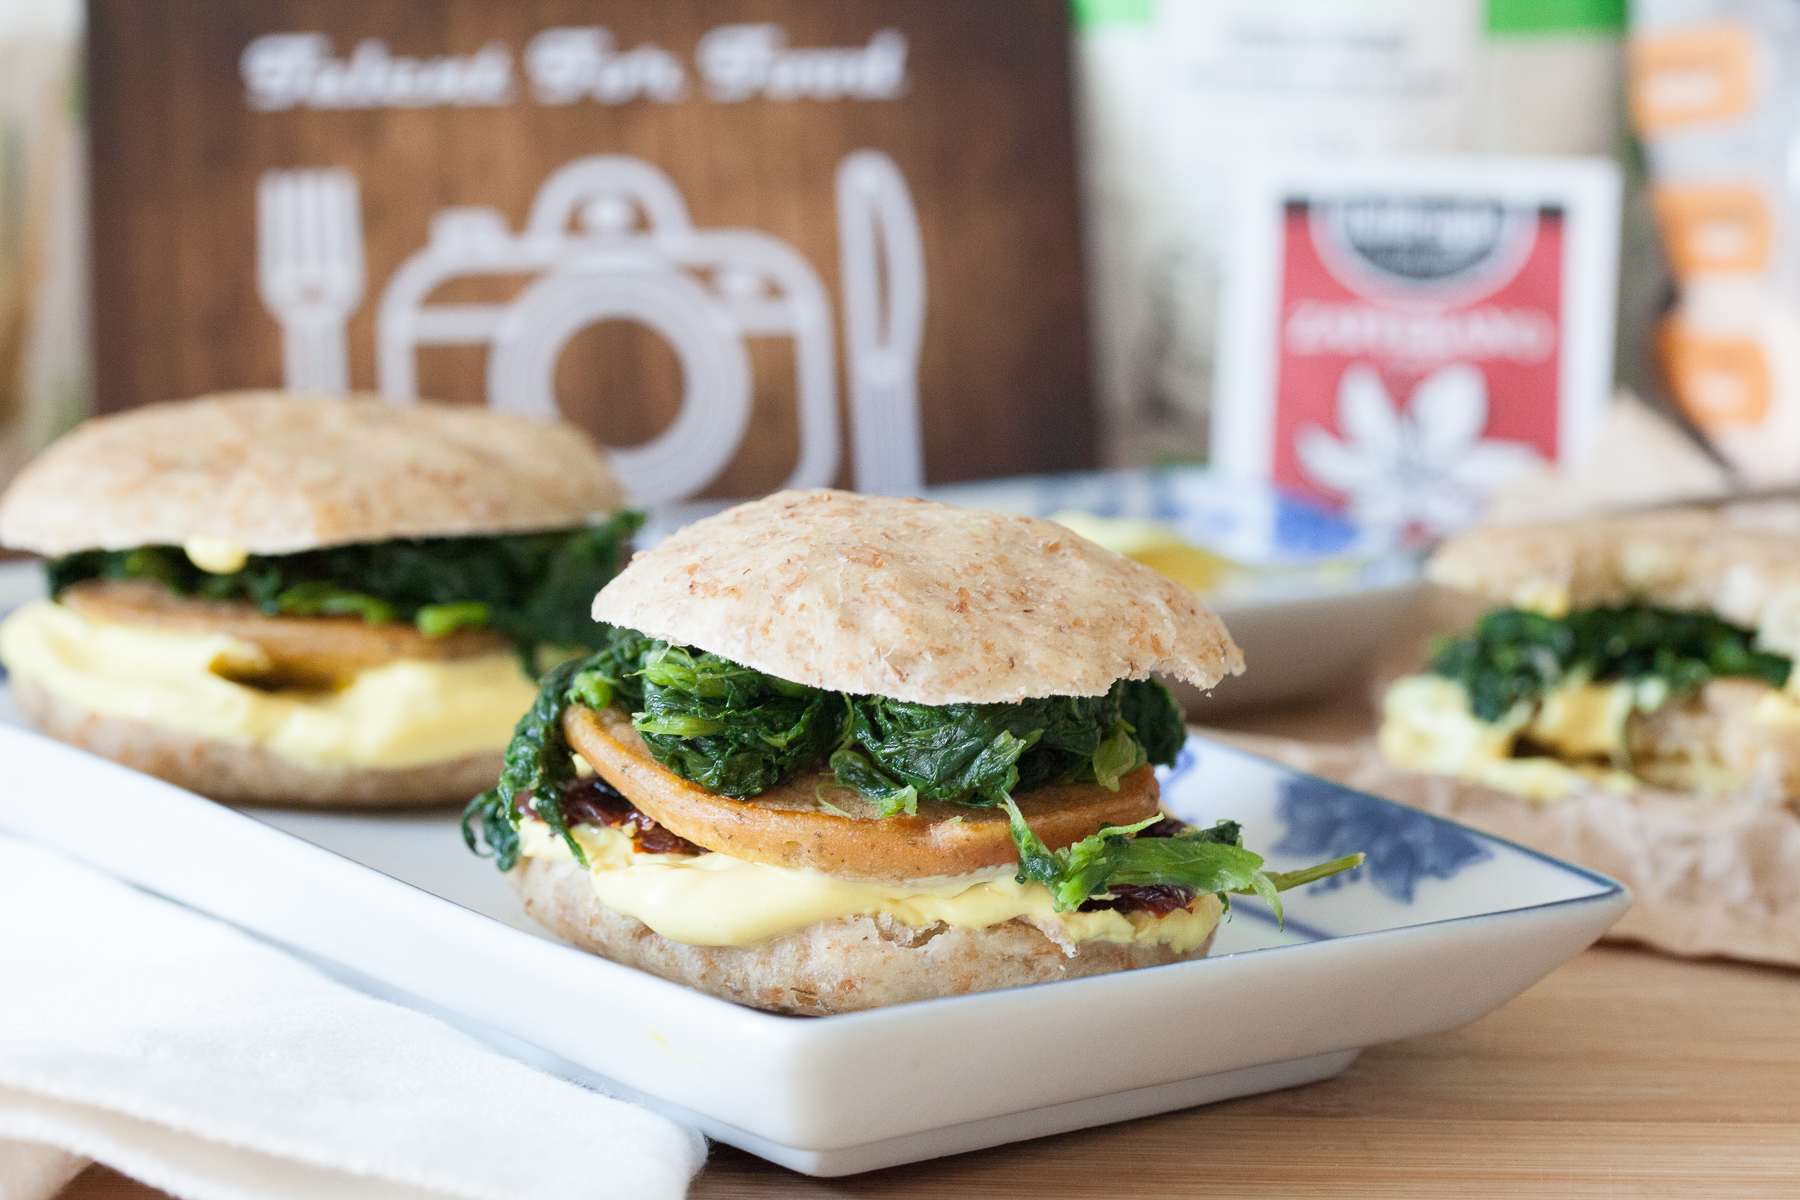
850	751
1621	652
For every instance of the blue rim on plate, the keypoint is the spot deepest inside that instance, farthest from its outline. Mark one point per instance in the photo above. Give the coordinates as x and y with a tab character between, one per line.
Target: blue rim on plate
1420	868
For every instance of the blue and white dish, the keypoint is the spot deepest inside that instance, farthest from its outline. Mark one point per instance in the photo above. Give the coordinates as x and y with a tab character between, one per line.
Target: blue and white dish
1441	925
1248	521
1327	595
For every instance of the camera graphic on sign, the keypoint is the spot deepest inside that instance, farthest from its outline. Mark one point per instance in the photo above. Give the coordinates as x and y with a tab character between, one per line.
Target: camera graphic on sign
608	238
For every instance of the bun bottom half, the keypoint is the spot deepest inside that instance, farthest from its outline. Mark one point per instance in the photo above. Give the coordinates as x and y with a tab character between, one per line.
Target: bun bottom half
240	774
836	966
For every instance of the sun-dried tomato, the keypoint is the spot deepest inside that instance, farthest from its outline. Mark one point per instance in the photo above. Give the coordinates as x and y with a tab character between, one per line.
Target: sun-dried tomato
1168	827
593	801
1157	899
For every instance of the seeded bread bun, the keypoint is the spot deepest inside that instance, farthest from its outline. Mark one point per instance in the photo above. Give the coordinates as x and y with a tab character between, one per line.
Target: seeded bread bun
916	601
1742	563
833	966
278	472
243	774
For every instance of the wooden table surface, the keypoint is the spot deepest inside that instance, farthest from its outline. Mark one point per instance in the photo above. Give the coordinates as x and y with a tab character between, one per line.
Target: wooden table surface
1624	1073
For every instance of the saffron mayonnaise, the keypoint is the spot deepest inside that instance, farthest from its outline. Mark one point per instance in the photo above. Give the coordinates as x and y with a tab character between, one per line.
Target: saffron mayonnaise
715	900
400	714
1427	726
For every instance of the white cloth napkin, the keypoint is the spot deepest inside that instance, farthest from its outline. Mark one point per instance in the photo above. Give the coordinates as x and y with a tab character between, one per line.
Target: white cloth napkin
190	1056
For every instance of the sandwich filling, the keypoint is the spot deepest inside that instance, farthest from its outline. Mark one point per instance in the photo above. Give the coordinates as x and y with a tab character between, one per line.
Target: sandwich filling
1616	696
401	713
689	894
739	733
527	587
380	655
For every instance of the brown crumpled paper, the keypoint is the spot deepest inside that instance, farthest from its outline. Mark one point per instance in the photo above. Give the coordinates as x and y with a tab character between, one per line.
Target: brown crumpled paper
1706	878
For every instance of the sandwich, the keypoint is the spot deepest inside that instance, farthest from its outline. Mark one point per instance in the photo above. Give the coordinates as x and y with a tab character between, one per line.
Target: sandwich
285	599
1621	653
843	751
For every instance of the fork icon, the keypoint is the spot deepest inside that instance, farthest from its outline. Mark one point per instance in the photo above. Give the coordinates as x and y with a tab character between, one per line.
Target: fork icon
309	271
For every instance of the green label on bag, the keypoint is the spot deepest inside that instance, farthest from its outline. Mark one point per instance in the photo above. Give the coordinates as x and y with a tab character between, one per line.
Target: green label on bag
1090	13
1503	16
1555	16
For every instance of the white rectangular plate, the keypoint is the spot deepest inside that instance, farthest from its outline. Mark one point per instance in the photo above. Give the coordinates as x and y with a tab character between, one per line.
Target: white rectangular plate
1442	925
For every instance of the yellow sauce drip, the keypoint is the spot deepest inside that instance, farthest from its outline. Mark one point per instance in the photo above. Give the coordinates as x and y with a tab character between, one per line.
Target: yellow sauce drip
216	555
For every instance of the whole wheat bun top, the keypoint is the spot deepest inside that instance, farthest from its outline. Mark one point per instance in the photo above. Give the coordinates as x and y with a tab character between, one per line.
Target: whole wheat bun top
1742	563
915	601
277	472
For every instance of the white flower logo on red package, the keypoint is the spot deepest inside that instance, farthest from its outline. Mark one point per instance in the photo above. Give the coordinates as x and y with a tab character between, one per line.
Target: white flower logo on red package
1426	467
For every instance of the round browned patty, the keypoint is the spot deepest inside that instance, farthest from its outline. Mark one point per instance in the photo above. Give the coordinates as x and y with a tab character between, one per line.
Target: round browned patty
811	821
836	966
301	650
244	774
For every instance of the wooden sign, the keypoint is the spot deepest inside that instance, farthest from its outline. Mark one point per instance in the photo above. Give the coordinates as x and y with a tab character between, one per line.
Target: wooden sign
747	243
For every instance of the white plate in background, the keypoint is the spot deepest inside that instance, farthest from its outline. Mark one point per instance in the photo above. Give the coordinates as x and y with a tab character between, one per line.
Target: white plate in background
1335	593
1441	926
21	582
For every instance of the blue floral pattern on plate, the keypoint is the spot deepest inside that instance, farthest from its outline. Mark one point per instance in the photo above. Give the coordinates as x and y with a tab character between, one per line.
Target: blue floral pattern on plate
1184	765
1325	820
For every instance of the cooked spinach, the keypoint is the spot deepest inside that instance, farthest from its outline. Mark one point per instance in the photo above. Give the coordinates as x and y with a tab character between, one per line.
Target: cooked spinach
739	732
533	587
1513	656
610	673
978	754
728	728
1155	719
1207	860
539	761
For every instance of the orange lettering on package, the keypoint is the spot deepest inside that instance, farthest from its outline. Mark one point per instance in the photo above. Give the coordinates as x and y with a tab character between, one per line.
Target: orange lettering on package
1717	381
1701	74
1711	229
